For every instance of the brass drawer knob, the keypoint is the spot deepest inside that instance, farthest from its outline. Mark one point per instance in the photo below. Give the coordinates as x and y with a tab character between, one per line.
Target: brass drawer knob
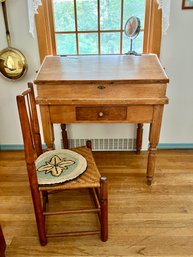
100	114
101	87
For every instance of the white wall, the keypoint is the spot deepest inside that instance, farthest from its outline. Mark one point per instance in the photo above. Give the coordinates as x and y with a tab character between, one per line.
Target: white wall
176	57
21	39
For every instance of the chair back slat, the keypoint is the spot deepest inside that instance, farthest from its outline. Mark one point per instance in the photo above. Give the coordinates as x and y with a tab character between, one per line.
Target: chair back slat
34	121
29	123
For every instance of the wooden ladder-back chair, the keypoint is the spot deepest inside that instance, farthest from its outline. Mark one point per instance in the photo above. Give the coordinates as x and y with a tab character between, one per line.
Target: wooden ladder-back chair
90	179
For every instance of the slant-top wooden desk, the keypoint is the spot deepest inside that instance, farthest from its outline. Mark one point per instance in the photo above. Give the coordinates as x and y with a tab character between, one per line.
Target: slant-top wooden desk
103	89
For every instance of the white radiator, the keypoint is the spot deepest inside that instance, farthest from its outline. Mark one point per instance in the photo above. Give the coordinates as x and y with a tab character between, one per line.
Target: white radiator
105	144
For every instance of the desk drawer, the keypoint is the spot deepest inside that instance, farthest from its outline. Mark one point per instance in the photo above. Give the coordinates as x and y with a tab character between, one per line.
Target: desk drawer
101	113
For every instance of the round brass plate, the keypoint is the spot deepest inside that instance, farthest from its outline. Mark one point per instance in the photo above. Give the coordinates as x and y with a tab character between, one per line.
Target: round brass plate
13	64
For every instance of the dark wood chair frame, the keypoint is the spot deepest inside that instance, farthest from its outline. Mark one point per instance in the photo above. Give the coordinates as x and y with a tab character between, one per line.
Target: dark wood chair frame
33	148
2	243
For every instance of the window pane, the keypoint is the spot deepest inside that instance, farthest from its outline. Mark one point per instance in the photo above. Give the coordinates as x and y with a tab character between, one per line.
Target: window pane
64	15
87	15
65	44
110	11
88	43
137	43
87	20
134	8
110	43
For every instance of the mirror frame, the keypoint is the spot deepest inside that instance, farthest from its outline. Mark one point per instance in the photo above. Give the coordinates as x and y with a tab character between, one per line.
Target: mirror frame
137	28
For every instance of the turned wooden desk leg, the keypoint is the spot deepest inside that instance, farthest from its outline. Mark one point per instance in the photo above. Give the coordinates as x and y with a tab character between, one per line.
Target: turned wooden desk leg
104	208
139	137
89	144
151	163
64	136
47	126
153	141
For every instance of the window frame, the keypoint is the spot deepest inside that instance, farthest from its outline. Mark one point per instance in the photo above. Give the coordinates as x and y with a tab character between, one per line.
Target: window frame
46	36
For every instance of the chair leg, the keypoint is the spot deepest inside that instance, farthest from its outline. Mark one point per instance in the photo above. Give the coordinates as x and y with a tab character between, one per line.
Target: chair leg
2	243
45	199
40	219
104	208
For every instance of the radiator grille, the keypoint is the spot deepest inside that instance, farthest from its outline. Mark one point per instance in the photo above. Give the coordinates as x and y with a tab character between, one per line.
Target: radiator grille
103	144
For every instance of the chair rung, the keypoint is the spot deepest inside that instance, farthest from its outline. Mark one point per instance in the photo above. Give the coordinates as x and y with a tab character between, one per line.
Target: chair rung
71	212
78	233
96	198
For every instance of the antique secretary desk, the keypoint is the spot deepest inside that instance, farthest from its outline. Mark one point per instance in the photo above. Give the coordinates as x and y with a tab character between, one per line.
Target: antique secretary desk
103	89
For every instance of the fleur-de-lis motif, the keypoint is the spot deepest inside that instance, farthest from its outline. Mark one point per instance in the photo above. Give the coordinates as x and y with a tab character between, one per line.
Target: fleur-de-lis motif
55	166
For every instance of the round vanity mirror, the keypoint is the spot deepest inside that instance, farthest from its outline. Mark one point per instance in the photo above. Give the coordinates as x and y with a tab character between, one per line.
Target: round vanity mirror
132	29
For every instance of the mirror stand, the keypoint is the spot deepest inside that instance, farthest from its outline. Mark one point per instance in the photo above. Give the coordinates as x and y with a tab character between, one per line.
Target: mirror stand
131	52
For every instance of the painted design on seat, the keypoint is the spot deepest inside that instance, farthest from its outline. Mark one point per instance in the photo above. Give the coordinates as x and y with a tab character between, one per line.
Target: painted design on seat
59	166
55	166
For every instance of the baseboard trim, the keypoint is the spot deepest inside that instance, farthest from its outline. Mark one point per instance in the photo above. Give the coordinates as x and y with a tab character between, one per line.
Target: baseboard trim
6	147
175	146
14	147
11	147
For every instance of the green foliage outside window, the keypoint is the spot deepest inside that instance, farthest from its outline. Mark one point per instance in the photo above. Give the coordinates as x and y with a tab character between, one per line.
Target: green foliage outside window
87	23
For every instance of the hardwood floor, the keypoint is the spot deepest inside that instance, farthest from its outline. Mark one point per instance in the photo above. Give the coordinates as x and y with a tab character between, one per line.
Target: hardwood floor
144	220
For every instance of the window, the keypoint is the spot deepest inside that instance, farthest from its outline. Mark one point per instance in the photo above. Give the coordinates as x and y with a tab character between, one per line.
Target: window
95	26
66	27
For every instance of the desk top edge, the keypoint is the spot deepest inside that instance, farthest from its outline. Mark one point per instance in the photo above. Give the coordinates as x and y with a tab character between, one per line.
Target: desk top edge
129	81
102	68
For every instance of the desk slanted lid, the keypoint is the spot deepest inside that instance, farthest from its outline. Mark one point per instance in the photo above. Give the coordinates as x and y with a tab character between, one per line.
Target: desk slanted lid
123	68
